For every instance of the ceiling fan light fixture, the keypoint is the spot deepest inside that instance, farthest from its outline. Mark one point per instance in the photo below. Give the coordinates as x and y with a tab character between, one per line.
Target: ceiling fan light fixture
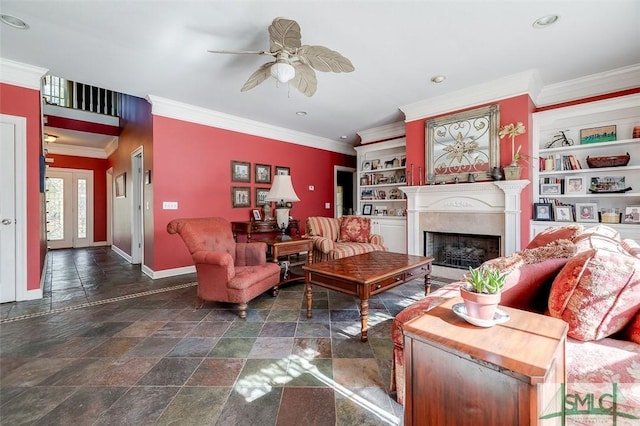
50	138
545	21
14	21
283	72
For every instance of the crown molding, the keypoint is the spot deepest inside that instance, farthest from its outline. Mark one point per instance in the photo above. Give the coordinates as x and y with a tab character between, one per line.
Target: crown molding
382	133
19	74
193	114
76	151
527	82
592	85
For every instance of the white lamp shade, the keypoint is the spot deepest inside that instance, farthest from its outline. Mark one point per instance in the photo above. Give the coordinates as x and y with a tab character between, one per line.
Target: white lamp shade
282	190
282	71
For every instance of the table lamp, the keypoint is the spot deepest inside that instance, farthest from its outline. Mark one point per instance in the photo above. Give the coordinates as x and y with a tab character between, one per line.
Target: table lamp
282	192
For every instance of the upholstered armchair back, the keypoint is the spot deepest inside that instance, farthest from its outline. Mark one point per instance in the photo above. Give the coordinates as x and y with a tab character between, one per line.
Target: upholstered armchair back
327	227
205	234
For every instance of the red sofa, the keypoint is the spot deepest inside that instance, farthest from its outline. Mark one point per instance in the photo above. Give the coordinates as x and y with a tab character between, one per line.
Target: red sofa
589	278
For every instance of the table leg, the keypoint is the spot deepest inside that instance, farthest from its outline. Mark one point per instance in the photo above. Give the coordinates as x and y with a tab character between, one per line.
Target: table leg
307	284
427	284
364	316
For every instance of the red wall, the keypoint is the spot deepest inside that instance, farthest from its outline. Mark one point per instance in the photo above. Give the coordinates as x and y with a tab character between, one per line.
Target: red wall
192	165
99	167
512	110
22	102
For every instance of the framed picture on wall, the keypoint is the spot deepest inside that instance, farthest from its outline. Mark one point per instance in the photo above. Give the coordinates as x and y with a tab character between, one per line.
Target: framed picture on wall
261	194
240	171
240	196
121	185
281	170
263	173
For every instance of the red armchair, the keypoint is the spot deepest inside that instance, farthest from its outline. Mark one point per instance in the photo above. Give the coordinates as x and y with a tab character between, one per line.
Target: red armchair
227	271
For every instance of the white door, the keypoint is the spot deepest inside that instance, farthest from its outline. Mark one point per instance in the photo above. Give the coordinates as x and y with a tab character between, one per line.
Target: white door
69	199
7	214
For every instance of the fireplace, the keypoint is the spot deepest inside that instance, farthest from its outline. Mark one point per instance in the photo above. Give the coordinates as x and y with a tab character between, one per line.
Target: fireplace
460	251
475	209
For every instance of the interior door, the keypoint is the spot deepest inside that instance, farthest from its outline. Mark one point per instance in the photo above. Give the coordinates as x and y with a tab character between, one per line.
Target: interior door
69	196
7	214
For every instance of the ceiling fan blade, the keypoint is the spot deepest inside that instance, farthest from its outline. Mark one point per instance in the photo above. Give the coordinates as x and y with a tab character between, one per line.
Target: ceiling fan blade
260	75
257	52
305	79
324	59
284	34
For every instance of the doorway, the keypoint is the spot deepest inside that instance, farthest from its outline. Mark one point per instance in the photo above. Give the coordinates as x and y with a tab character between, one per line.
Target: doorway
137	225
69	208
344	190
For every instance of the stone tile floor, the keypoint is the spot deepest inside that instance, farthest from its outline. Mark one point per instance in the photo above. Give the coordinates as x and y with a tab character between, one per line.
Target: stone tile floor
109	346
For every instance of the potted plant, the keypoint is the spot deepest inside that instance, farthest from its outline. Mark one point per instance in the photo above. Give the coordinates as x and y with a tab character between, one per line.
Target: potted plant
513	170
481	291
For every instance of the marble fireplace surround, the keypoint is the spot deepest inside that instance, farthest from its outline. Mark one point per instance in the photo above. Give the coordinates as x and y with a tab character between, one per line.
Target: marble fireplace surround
481	208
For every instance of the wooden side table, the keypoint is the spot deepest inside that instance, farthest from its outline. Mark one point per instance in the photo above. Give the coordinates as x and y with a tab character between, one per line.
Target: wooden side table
287	248
250	227
457	373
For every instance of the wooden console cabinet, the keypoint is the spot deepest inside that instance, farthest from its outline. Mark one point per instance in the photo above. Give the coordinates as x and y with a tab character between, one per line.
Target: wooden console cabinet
460	374
262	227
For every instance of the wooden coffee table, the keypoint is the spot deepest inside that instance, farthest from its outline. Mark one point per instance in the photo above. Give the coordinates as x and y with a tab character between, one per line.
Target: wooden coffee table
366	275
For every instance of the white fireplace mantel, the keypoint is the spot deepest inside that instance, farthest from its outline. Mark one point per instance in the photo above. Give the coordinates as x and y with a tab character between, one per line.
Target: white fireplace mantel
497	197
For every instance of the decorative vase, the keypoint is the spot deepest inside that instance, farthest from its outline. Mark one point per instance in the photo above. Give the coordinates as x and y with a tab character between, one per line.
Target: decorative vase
480	305
496	174
512	171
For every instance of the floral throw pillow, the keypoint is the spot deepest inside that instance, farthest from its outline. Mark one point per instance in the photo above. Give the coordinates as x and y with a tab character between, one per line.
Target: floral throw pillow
554	233
355	229
597	293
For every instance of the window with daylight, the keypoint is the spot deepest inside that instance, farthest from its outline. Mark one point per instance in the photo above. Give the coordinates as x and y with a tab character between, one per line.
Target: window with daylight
56	91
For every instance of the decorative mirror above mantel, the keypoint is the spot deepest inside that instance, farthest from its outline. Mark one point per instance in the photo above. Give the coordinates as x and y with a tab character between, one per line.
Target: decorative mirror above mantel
463	147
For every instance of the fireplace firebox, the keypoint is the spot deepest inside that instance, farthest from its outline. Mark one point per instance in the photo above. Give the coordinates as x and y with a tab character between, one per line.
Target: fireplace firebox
460	250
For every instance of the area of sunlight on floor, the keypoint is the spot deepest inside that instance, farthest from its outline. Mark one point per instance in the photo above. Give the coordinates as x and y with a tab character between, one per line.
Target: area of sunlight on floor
258	385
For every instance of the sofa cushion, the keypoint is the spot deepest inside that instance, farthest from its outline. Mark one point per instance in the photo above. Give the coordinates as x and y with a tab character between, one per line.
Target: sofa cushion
351	249
597	293
355	229
632	247
602	230
554	233
590	241
327	227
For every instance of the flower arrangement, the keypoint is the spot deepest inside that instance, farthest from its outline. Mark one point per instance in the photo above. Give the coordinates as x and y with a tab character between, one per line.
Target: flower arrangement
513	130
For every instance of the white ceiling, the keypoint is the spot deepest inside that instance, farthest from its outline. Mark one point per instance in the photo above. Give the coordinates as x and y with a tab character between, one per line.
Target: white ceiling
159	48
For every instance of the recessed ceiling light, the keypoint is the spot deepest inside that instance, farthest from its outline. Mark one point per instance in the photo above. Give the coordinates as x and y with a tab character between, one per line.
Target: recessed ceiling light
301	112
14	22
343	137
438	78
545	21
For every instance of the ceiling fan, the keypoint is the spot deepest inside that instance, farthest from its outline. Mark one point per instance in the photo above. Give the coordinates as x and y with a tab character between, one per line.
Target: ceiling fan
294	63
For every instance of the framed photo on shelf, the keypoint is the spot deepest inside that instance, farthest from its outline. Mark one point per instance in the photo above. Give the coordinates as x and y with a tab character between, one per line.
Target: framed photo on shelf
542	211
261	194
598	134
255	213
240	171
367	209
366	165
632	214
607	184
586	212
375	164
562	214
240	196
281	170
550	189
574	185
263	173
